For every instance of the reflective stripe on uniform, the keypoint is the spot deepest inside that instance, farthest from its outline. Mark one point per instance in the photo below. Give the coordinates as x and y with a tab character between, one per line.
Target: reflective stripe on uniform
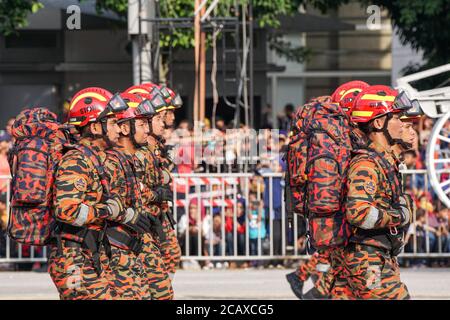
82	216
322	267
371	219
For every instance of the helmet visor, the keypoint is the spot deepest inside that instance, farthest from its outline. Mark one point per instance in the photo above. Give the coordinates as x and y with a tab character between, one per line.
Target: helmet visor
416	109
402	102
145	109
177	101
165	93
115	105
158	102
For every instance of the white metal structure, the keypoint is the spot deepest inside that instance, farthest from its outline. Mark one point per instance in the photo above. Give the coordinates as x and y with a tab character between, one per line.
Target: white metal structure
435	103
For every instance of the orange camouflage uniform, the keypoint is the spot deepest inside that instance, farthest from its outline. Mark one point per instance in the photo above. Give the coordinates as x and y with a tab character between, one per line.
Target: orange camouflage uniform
125	266
370	269
170	248
318	268
78	203
155	272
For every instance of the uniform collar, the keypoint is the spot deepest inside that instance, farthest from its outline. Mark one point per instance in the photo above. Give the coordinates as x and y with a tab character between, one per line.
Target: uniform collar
385	153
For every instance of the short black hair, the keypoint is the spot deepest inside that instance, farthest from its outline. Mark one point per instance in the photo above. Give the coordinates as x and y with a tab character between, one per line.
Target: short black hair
289	107
410	152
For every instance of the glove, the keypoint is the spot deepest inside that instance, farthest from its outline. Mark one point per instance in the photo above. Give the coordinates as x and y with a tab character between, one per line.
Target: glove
163	194
136	221
406	205
115	207
157	228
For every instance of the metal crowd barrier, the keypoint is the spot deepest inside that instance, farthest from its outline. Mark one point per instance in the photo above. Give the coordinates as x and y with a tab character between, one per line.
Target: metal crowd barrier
218	195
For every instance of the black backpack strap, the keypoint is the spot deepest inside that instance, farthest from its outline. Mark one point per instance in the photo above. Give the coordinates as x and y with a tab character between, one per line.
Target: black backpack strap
388	170
130	175
96	161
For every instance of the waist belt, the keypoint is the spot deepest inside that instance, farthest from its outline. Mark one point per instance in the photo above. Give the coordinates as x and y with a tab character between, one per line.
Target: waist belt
72	244
131	243
370	249
392	241
92	240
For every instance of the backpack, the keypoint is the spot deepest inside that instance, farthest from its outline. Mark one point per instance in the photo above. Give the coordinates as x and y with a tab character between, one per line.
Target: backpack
33	160
318	157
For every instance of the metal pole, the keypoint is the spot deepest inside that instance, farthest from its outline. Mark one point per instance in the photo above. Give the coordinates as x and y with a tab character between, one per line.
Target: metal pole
251	89
197	61
238	66
245	54
202	93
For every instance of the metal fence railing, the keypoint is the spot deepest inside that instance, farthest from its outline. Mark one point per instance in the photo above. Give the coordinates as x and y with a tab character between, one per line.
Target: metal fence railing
241	216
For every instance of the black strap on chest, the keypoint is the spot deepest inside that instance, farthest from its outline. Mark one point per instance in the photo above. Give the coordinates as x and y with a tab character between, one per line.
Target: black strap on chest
130	176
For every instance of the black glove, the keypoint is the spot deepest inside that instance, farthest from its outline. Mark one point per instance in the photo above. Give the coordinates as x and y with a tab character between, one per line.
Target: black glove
163	194
157	228
136	221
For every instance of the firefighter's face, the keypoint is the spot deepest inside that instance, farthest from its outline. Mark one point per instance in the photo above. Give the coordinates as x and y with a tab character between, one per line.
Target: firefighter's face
112	130
142	131
169	118
395	127
158	124
409	134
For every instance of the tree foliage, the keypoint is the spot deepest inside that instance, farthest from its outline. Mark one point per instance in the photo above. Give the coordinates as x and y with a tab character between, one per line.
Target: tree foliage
14	13
425	25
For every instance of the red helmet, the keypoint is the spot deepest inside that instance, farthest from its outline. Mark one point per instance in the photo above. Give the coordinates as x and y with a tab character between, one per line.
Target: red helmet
172	99
87	105
346	94
377	101
152	93
150	85
138	107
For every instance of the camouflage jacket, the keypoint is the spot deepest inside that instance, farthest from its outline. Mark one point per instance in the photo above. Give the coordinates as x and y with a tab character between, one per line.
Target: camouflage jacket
79	190
121	173
149	176
370	198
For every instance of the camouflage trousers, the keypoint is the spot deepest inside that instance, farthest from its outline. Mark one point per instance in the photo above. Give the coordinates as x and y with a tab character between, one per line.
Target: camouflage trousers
73	273
154	275
340	290
170	248
125	275
369	273
318	266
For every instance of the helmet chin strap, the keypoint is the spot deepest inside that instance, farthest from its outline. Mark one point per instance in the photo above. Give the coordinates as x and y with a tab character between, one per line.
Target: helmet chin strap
133	134
104	136
385	131
152	133
404	145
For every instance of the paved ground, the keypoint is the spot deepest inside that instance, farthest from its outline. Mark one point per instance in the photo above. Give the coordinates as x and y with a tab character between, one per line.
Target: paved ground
226	284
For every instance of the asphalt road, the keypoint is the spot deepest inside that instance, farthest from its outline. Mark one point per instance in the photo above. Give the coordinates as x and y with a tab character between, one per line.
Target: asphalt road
226	284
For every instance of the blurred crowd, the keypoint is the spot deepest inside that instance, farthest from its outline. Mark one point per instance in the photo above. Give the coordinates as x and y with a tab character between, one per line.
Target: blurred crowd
255	215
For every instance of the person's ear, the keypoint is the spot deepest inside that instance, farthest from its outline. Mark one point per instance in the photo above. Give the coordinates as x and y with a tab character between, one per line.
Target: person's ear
379	123
125	128
96	128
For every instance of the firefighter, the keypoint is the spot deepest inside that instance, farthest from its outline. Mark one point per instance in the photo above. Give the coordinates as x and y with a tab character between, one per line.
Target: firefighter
154	195
79	258
318	267
158	153
126	267
376	206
